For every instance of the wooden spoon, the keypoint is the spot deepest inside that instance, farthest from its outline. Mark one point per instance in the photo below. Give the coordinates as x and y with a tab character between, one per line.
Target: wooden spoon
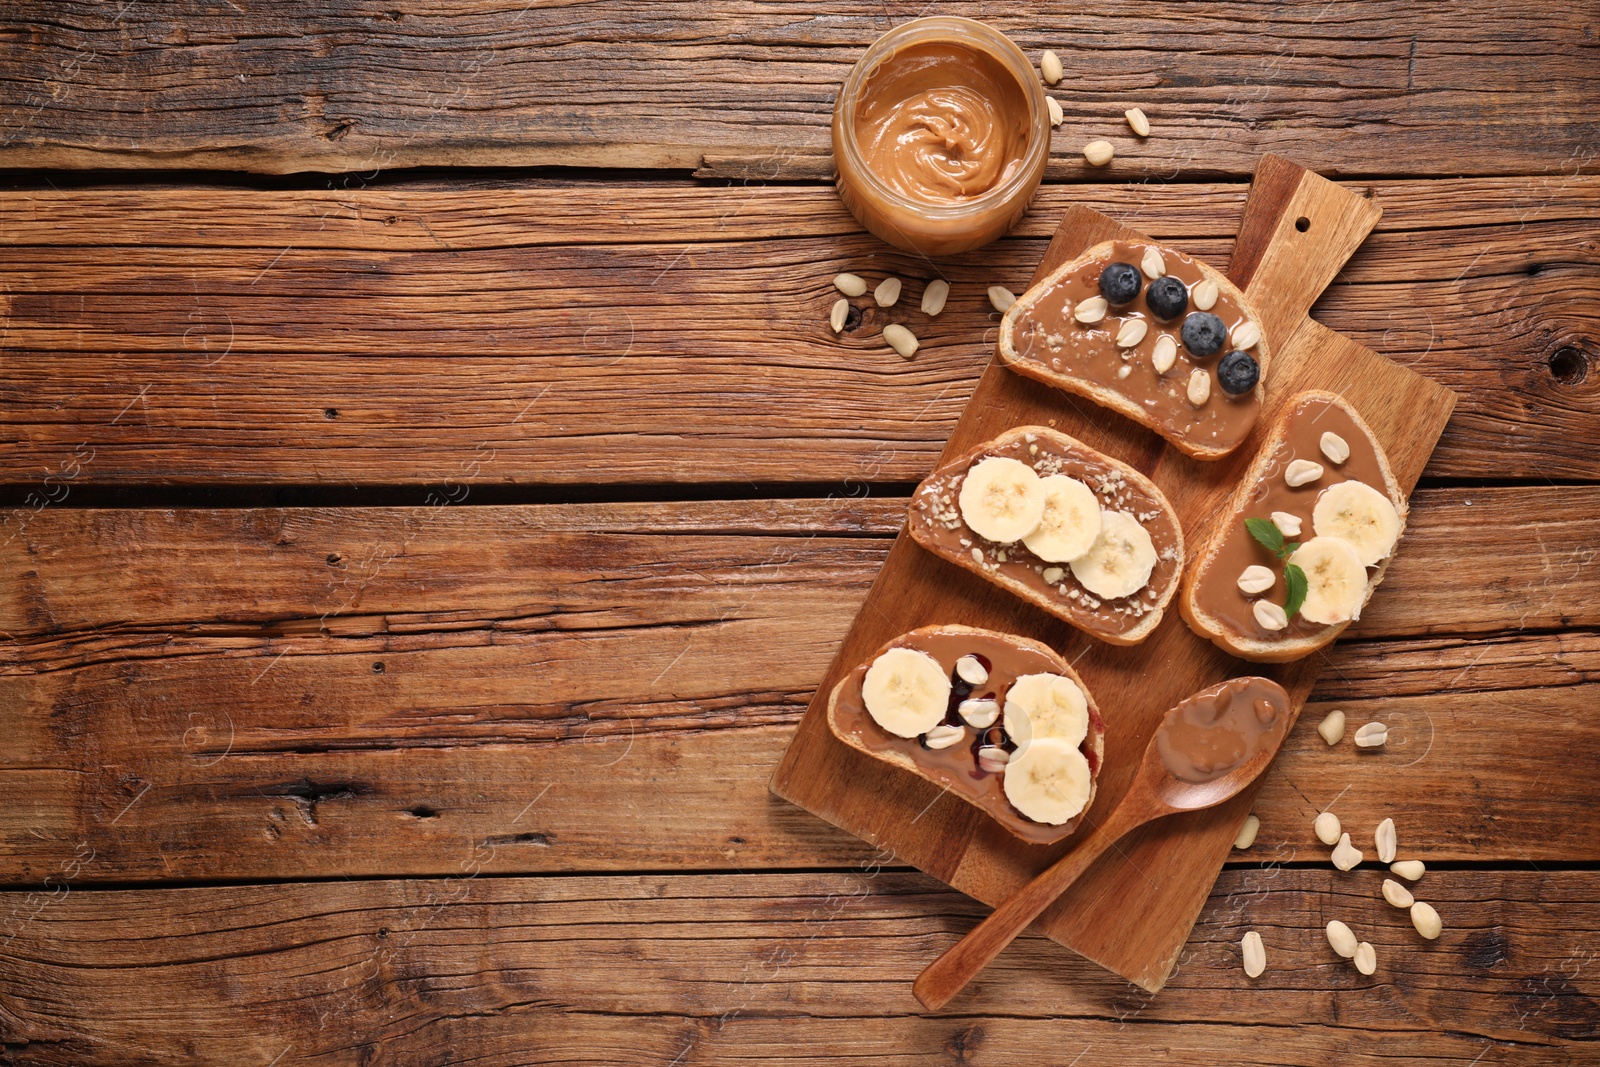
1155	791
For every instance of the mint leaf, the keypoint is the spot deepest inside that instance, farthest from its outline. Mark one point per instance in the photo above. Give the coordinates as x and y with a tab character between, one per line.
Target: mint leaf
1295	579
1266	532
1289	549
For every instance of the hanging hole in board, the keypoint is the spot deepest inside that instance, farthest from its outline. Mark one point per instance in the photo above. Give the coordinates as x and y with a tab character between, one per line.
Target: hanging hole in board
1302	224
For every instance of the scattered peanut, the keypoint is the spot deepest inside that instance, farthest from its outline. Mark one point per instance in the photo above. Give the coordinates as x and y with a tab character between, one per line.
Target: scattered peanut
1001	298
901	339
1336	448
1287	524
1098	153
1131	332
1387	841
1366	958
1301	472
1256	579
1054	107
993	758
1397	894
1152	264
1050	67
1269	615
1345	855
1199	387
1164	354
979	714
1137	120
850	284
1410	870
1332	727
1247	832
1204	294
1426	920
970	669
1372	735
1342	938
934	296
1248	335
1255	954
839	314
943	736
1091	310
1326	827
887	292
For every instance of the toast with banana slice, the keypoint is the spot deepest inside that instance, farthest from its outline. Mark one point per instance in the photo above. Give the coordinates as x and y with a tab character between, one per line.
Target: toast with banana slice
1001	721
1081	535
1305	540
1148	332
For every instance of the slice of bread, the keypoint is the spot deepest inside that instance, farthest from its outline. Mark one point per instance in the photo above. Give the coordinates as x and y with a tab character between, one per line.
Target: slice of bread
1210	581
1041	339
983	791
936	524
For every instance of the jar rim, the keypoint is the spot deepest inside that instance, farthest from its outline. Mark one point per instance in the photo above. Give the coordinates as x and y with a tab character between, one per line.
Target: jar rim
934	27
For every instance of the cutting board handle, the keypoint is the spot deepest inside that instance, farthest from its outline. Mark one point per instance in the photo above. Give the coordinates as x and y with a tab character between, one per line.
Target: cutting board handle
1298	231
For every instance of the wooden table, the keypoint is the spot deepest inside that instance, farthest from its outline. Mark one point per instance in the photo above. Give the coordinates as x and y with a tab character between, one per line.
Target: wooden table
411	577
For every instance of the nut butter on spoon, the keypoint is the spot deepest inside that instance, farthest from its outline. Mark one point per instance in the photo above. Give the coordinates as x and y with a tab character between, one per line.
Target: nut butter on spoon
1205	751
940	136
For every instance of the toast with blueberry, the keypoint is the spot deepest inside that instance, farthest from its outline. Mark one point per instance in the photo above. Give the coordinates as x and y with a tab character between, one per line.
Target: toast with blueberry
1150	333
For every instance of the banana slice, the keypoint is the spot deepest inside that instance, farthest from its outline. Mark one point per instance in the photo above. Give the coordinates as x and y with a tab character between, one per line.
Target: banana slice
1046	705
1048	781
906	692
1336	579
1071	521
1361	515
1121	559
1002	499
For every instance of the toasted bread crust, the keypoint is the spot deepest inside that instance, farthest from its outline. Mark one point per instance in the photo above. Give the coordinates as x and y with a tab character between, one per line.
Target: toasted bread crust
1214	629
1156	611
1096	736
1110	398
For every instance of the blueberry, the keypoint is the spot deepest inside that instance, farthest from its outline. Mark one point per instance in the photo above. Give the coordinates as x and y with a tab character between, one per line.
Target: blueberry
1120	282
1167	297
1203	334
1238	373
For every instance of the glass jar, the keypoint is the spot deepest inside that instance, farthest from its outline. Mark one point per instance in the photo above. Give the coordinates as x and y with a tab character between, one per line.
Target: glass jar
940	136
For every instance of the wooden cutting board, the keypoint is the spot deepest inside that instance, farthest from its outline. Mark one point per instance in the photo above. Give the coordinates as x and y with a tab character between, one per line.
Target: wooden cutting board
1133	910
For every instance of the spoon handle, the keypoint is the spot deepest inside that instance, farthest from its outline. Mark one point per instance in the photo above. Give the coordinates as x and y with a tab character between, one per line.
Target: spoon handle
946	976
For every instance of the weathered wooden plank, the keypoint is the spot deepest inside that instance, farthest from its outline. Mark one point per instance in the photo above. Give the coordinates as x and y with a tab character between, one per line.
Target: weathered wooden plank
491	349
810	969
630	791
464	214
609	686
274	572
745	88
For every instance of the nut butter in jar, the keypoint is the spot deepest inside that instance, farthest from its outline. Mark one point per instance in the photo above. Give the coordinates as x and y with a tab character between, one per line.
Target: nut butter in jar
940	136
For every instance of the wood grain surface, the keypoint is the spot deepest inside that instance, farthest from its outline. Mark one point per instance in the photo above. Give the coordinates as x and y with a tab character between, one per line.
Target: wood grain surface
175	678
433	335
656	969
744	89
563	761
